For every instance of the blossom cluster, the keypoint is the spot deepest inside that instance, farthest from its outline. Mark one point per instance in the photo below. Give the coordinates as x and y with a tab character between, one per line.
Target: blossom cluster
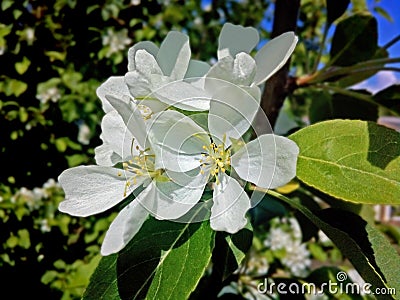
173	127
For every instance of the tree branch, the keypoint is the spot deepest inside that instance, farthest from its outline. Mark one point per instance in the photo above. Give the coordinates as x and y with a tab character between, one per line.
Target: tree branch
279	85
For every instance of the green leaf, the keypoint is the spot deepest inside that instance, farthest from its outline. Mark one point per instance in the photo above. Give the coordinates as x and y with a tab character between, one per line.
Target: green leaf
367	249
389	97
338	106
352	160
230	250
335	8
165	260
22	67
355	40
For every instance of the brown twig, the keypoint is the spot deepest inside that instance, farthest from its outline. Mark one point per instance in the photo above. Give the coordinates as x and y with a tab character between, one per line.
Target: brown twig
280	85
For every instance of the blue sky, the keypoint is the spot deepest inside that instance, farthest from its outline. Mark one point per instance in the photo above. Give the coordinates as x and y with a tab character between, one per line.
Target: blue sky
387	30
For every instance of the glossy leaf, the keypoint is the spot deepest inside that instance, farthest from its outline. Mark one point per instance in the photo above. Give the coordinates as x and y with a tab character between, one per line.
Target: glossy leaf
389	97
356	161
231	249
165	260
355	39
367	249
337	106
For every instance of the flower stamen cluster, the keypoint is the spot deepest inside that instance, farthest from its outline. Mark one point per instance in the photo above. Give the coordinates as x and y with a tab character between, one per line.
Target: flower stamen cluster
142	165
217	157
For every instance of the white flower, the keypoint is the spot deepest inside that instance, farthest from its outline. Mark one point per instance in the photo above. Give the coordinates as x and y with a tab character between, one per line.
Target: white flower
52	94
278	239
116	41
236	66
84	133
155	76
297	258
181	145
93	189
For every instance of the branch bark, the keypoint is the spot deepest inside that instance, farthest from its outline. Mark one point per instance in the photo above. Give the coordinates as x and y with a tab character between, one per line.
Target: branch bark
278	86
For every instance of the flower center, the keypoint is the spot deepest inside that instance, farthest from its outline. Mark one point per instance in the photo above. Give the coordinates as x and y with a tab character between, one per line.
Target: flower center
142	165
217	157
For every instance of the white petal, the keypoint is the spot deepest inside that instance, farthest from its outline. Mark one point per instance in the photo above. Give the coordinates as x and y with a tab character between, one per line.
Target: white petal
127	223
232	111
177	196
139	85
92	189
239	70
150	47
114	85
269	161
139	80
132	118
174	55
184	95
177	141
197	68
236	38
230	205
274	55
118	142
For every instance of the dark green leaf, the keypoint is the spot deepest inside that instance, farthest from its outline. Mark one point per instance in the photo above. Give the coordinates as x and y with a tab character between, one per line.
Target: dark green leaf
389	97
355	40
335	8
366	248
165	260
338	106
352	160
230	250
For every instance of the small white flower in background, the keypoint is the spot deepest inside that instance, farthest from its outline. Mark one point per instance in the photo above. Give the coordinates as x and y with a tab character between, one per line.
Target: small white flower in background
297	258
116	41
2	49
277	239
285	234
52	94
135	2
51	183
84	133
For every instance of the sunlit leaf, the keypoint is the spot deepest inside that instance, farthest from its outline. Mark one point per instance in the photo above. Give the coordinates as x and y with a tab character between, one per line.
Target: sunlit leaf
356	161
165	260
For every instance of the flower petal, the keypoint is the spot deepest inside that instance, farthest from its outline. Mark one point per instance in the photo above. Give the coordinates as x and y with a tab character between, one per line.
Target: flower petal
127	223
174	55
269	161
196	69
92	189
239	70
118	142
114	85
183	95
132	117
139	80
274	55
150	48
230	205
177	196
236	38
232	111
177	141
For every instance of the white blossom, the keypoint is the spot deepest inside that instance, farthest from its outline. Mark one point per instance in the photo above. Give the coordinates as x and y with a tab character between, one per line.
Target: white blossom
116	41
